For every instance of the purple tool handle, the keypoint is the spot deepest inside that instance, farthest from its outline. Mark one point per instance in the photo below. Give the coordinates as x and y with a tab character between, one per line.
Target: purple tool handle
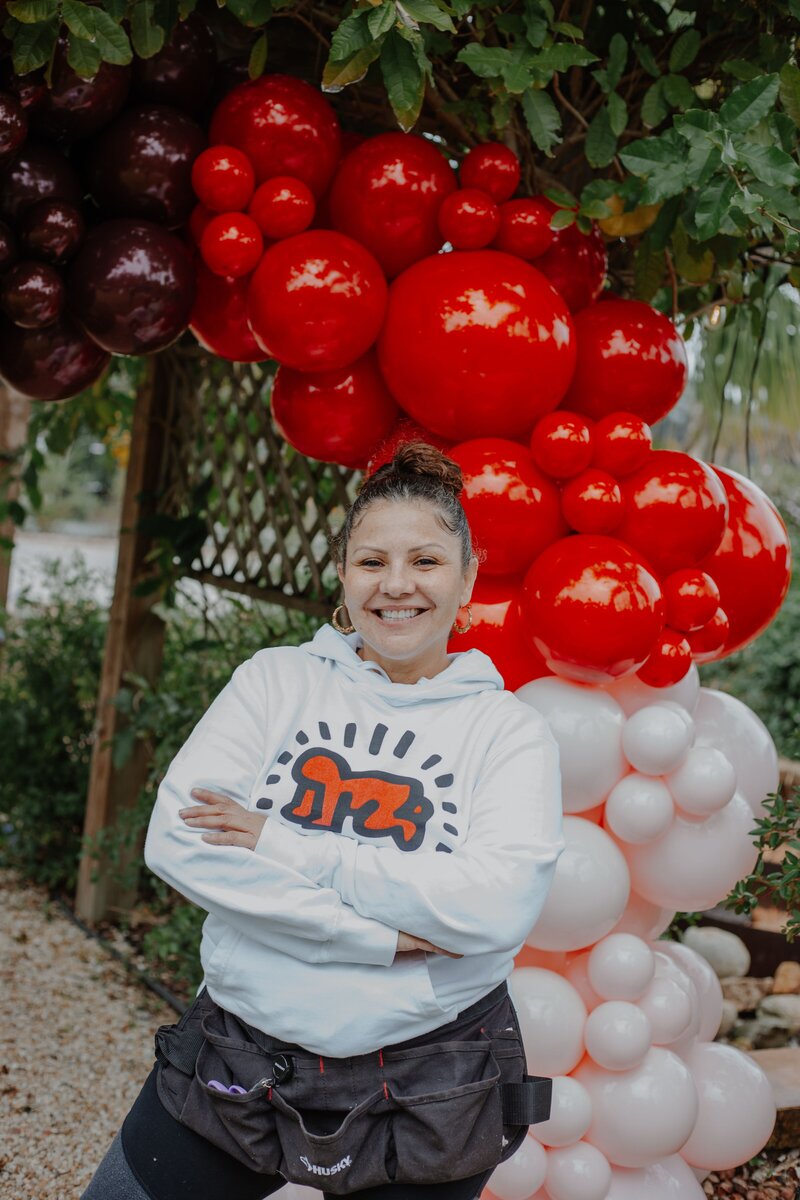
234	1090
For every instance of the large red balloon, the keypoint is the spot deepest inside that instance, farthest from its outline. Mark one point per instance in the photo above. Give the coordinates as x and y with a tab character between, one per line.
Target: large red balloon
335	416
675	510
752	564
284	126
575	264
513	510
475	343
219	317
630	356
316	301
497	630
50	364
592	607
405	430
387	194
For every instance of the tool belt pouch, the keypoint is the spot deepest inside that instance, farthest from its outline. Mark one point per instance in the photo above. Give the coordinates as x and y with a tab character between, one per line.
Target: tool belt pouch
428	1113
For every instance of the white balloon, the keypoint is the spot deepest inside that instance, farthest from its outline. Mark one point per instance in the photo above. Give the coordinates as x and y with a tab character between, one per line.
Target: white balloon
736	1111
668	1007
705	980
570	1114
668	1179
617	1035
578	1172
644	919
551	1017
639	808
576	972
521	1174
703	783
589	890
620	966
631	694
729	725
587	724
655	739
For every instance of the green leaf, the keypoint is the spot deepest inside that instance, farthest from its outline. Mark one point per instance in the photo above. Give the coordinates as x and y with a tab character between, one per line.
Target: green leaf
352	35
678	91
646	58
563	218
684	52
381	19
741	68
486	61
649	154
258	57
147	37
693	262
536	28
768	164
32	12
712	205
617	58
80	19
654	106
429	13
790	91
660	231
33	46
404	79
617	113
748	104
250	13
339	73
648	270
83	57
561	56
542	119
601	143
561	197
573	31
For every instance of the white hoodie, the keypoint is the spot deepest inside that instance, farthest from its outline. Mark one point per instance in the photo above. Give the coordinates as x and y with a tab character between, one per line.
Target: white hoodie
432	808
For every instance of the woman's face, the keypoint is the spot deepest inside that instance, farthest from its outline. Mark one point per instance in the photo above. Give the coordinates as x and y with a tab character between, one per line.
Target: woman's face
403	584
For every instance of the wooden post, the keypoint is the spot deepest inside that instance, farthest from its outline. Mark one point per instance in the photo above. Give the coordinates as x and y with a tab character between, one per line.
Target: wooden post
134	642
14	412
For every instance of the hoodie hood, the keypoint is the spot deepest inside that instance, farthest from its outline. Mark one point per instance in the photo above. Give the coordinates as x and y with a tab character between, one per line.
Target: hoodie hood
469	671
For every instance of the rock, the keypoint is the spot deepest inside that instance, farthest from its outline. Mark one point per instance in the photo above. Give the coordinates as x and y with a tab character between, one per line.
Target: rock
787	978
725	951
785	1009
763	1032
730	1015
746	993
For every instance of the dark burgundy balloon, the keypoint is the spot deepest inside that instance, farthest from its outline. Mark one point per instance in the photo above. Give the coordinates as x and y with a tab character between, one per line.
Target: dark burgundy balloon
49	364
39	172
132	286
141	164
51	230
13	126
182	73
30	90
76	108
8	247
32	295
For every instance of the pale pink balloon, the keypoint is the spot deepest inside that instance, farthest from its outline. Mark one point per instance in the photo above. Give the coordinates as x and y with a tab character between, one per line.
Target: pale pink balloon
579	1172
703	783
620	966
644	919
589	890
656	739
639	808
631	694
521	1174
729	725
706	982
570	1114
551	1017
694	865
668	1179
576	971
617	1035
669	1008
642	1114
737	1107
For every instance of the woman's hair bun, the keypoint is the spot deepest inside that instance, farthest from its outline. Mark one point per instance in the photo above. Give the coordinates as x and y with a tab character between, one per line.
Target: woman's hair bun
421	458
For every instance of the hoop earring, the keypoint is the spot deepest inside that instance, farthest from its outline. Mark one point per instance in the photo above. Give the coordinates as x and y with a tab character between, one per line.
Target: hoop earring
456	628
339	628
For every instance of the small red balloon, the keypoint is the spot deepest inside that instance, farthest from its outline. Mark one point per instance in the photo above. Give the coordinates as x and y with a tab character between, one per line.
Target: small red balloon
576	264
387	194
32	295
691	597
675	510
468	219
622	442
51	230
493	169
629	355
282	207
708	643
334	416
219	317
496	630
592	502
223	179
525	227
231	244
317	301
405	430
561	443
668	662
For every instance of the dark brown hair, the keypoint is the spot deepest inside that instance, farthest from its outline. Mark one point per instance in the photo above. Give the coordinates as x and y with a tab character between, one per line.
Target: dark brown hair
418	471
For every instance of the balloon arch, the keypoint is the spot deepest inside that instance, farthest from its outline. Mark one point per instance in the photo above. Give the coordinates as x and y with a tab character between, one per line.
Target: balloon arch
404	295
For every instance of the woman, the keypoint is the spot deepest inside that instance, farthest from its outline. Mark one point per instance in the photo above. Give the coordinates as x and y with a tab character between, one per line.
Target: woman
372	825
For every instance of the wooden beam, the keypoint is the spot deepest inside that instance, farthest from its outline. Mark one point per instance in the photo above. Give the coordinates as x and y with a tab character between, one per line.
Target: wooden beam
134	642
14	414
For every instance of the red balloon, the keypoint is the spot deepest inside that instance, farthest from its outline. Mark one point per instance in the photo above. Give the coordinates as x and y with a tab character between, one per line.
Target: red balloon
622	442
752	563
219	317
592	502
525	227
50	364
335	416
497	630
561	443
468	219
405	430
575	264
592	607
629	356
476	343
492	168
13	126
691	597
387	193
282	207
223	179
284	126
669	660
675	510
512	509
317	301
51	230
708	643
231	244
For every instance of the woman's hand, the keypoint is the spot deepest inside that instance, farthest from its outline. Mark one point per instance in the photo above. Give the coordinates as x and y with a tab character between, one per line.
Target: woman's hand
407	942
234	825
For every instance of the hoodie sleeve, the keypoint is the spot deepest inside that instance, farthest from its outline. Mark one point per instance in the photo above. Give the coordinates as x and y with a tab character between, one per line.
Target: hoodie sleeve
271	901
488	893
